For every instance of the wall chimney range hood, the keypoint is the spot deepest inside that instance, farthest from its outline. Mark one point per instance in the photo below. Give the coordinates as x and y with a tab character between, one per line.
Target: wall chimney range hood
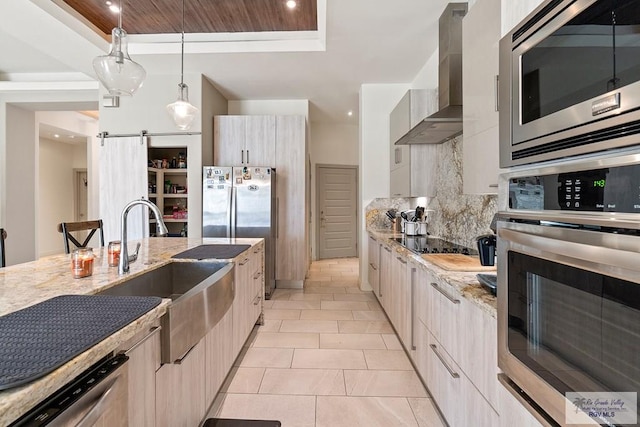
446	123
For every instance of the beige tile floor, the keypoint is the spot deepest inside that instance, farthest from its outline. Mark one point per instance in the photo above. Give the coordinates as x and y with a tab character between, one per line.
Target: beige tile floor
326	356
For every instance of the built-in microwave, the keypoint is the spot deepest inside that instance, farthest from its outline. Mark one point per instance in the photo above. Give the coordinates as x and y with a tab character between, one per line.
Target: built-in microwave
569	81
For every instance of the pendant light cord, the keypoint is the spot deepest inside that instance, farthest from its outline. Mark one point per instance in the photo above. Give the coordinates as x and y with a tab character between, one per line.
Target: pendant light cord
120	16
182	51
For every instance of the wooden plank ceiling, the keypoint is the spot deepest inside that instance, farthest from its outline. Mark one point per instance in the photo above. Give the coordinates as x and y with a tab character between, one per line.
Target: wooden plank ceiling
201	16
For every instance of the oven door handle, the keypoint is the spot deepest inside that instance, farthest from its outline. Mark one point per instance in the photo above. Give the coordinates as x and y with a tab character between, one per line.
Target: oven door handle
573	249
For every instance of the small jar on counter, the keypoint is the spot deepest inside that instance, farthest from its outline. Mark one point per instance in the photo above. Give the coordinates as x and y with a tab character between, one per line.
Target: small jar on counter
114	253
82	263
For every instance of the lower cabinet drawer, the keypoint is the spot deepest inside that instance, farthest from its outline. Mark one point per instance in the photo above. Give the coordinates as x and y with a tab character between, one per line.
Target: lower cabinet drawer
456	396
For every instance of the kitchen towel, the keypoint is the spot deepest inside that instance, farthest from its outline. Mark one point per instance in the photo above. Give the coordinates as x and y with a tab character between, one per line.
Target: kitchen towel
36	340
213	252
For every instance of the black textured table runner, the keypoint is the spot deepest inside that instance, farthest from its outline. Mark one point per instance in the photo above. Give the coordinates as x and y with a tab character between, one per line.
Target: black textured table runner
39	339
213	252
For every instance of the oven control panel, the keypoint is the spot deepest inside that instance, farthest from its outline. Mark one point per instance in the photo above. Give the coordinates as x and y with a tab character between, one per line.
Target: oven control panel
614	189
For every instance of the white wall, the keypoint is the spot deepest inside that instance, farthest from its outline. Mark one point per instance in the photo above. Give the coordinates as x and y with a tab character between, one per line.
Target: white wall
427	77
18	160
146	110
78	156
20	219
278	107
331	144
376	103
213	103
57	161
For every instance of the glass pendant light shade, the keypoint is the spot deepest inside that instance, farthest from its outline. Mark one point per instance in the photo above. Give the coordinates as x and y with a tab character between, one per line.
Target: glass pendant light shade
182	111
117	71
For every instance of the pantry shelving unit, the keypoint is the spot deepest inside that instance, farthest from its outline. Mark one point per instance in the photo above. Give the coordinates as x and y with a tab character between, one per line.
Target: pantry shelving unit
168	190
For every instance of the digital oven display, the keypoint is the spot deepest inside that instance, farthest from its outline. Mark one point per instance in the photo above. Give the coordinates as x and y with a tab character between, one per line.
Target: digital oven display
615	189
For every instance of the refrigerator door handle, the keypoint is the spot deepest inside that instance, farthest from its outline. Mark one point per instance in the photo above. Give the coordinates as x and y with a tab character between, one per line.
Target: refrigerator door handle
277	221
229	201
234	202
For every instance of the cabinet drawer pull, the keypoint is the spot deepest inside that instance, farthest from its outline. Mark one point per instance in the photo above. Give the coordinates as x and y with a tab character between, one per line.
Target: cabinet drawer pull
243	157
401	260
446	295
373	266
413	308
496	90
246	260
256	300
372	238
257	275
451	371
493	185
387	249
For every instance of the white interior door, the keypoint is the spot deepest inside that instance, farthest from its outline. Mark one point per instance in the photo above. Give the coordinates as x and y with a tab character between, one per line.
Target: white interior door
337	208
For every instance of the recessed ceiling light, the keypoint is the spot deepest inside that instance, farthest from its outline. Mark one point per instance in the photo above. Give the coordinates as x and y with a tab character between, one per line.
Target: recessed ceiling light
72	136
55	135
291	4
113	8
108	3
350	113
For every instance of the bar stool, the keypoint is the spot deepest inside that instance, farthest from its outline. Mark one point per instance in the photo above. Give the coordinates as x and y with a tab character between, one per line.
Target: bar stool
67	227
3	235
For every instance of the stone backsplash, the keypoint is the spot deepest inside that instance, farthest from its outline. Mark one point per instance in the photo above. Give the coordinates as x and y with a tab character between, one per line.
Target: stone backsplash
456	217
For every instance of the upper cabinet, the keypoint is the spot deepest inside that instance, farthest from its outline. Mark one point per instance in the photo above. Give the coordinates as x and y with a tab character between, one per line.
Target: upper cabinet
244	140
412	166
481	153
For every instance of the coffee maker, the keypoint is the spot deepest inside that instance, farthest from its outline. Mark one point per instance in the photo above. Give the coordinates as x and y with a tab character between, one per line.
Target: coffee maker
487	249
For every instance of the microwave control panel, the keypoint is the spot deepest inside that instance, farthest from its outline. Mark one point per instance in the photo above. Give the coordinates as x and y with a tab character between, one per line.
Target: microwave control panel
614	189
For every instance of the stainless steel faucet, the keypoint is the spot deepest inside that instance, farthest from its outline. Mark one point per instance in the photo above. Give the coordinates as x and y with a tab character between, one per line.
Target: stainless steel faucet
125	259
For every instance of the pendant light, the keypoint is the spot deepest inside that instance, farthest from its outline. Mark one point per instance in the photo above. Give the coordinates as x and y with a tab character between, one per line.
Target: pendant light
182	111
117	71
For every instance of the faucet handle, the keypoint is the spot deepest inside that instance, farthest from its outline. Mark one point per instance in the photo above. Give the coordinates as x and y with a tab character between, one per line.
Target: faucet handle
134	257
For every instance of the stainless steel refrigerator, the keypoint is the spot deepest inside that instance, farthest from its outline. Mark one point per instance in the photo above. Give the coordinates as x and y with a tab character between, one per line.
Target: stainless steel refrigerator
240	201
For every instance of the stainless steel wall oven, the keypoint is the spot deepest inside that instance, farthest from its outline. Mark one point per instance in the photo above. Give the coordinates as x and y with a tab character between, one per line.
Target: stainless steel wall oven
570	81
569	281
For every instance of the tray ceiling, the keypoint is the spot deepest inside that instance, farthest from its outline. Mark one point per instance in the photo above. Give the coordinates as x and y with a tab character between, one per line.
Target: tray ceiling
201	16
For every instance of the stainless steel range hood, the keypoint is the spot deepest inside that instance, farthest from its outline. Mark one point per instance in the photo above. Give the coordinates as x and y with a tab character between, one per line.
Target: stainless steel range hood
447	122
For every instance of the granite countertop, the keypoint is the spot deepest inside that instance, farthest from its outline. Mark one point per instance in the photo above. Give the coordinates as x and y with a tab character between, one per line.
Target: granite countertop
26	284
463	281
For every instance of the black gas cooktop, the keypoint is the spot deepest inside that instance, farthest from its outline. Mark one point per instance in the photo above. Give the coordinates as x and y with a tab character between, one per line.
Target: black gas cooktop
433	245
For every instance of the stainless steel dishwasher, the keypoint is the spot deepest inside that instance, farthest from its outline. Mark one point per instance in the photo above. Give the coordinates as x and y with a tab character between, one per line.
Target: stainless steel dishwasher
99	395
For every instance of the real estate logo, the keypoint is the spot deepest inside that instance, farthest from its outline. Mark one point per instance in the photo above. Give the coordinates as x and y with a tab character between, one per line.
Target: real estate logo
608	408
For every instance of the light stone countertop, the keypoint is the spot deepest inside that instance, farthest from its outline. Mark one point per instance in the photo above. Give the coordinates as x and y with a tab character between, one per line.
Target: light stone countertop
463	281
27	284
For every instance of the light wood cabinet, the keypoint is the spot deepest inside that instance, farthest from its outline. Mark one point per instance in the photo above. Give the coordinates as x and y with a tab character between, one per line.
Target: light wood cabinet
280	142
478	349
481	152
257	284
219	356
180	390
292	260
373	270
144	361
412	166
385	294
242	304
244	140
512	412
400	294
